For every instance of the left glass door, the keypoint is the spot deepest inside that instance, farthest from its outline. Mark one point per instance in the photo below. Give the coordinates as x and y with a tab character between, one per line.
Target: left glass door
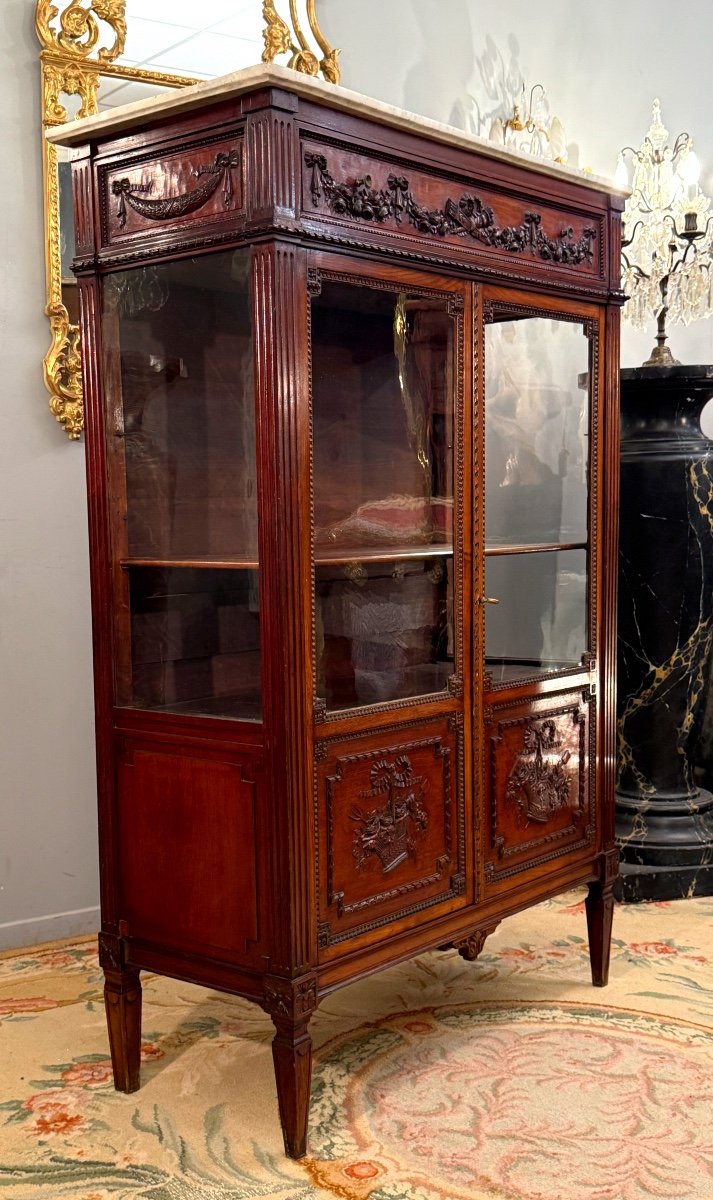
386	416
178	374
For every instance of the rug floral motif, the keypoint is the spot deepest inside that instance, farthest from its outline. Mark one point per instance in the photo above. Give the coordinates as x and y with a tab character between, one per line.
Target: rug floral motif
505	1079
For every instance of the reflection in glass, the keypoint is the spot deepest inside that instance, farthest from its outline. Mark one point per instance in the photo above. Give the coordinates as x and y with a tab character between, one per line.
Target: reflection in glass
384	630
536	432
179	380
195	641
540	621
383	429
185	359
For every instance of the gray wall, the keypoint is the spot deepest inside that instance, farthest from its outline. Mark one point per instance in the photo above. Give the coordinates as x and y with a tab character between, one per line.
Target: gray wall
48	875
443	58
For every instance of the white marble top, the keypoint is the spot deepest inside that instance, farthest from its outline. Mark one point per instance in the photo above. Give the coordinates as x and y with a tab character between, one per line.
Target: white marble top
117	120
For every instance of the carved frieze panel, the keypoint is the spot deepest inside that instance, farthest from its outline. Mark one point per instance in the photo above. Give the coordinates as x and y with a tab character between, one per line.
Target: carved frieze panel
390	827
539	762
169	192
365	194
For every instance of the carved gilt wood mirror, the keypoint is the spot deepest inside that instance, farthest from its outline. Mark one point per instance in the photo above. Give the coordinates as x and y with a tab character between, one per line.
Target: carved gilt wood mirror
98	54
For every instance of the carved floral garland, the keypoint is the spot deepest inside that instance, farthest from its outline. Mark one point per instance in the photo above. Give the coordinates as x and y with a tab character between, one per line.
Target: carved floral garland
469	216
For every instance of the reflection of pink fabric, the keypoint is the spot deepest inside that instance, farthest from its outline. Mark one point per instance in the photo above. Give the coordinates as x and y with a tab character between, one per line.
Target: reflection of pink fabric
394	519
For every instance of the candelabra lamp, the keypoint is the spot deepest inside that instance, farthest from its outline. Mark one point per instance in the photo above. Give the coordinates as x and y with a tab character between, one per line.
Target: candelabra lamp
530	128
664	820
667	236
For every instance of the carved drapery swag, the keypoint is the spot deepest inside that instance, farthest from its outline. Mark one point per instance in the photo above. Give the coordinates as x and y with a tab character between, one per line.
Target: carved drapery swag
171	207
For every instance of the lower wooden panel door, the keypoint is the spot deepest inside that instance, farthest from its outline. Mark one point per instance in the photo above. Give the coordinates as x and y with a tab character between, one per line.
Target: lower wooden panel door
539	785
390	830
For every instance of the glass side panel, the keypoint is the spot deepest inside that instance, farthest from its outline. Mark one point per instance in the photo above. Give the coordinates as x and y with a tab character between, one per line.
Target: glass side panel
195	641
179	381
539	624
383	391
184	343
536	431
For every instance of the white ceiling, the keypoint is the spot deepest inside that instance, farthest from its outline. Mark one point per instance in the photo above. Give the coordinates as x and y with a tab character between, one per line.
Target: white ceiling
201	38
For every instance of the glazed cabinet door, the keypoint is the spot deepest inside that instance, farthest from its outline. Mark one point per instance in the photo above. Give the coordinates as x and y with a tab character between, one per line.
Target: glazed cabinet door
389	443
540	390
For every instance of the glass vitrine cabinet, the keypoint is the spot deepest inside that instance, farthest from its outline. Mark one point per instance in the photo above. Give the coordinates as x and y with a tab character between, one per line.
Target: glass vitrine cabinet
352	422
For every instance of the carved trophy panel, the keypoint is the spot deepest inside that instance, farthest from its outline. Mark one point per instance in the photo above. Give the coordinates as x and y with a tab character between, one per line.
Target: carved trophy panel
539	800
391	828
173	190
363	193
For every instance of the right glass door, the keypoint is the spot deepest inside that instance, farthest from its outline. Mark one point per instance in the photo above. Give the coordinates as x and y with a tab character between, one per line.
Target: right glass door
537	386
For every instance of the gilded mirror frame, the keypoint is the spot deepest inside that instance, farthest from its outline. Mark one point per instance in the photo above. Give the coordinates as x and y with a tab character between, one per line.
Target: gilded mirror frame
73	62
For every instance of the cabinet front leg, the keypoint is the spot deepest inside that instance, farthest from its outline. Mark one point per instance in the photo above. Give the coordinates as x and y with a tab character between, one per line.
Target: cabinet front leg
291	1004
599	905
122	1002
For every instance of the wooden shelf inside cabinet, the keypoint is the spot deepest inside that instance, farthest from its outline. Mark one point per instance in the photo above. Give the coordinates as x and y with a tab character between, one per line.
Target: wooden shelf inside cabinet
533	548
216	562
324	557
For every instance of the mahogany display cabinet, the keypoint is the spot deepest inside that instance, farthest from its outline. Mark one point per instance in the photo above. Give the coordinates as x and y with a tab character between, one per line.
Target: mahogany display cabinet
352	412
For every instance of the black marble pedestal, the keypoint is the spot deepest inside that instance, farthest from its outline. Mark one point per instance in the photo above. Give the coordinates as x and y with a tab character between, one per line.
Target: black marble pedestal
664	821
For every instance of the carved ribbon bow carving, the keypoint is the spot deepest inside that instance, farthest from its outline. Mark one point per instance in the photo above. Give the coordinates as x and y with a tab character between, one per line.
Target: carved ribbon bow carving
171	207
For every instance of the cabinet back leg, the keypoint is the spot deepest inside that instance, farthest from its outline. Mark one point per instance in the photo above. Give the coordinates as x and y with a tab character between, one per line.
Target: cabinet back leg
122	1001
599	905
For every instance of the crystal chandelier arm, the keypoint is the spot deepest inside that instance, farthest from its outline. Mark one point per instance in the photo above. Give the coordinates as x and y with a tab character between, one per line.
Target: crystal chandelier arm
683	140
627	241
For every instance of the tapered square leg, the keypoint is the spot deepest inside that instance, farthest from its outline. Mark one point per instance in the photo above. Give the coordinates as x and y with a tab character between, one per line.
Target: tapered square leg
291	1004
122	1002
599	905
292	1056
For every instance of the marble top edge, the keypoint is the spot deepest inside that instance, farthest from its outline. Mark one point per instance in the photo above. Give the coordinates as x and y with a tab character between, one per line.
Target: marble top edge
74	133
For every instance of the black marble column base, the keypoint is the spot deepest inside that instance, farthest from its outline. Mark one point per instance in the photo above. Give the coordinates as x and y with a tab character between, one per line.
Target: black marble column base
666	846
637	883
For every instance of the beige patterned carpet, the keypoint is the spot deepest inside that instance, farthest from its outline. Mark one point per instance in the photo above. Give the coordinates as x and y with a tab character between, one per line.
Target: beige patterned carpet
505	1079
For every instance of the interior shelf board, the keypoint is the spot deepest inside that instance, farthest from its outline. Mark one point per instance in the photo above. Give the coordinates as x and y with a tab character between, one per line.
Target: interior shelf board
207	561
324	557
533	548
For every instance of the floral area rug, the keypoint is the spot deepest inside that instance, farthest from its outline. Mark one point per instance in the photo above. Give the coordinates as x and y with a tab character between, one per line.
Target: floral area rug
506	1079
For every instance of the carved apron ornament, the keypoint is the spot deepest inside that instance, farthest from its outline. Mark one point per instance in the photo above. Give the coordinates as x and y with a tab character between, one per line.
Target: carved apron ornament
537	785
466	217
390	833
171	207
